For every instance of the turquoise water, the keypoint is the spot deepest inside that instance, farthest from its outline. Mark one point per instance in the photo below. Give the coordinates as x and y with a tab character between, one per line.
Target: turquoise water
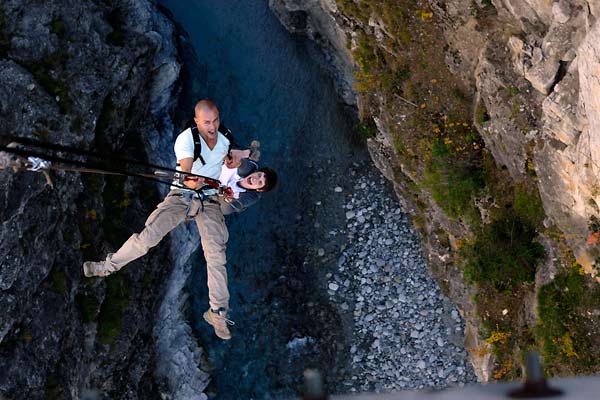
268	85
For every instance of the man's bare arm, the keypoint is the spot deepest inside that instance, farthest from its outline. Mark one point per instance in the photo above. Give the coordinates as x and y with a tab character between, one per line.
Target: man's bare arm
191	182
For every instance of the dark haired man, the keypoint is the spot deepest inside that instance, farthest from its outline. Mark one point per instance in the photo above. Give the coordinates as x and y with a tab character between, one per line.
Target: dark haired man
247	183
181	204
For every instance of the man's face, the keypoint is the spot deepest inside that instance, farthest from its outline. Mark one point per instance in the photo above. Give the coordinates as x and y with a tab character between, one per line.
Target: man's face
255	181
207	121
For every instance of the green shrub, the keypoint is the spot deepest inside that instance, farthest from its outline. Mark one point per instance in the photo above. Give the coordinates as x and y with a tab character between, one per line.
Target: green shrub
59	280
401	75
87	306
453	181
365	53
58	27
481	114
528	205
504	255
457	94
512	91
367	128
112	310
568	323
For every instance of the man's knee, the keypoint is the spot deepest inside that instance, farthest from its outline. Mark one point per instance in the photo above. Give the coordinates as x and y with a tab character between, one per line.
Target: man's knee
215	258
149	237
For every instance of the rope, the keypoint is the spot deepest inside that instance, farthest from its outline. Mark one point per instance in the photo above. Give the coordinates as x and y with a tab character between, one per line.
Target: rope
90	167
73	150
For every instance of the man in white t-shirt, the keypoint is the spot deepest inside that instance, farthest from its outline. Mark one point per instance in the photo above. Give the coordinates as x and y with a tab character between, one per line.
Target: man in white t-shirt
181	204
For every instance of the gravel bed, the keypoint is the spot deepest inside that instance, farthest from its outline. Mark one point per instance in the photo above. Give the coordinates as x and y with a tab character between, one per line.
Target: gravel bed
405	334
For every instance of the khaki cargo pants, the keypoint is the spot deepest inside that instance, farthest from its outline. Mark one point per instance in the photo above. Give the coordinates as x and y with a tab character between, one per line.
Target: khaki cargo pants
173	210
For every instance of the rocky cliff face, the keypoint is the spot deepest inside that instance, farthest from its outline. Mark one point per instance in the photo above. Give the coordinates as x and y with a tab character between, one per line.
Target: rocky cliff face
529	70
546	52
97	75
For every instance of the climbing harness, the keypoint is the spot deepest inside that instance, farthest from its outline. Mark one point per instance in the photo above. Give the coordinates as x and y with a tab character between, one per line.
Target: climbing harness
26	159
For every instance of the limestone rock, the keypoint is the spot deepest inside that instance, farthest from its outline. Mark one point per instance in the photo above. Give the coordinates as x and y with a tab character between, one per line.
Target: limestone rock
543	75
526	12
561	121
502	134
561	10
567	162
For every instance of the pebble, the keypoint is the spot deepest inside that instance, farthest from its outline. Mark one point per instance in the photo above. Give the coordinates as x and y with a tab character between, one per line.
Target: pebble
321	252
381	282
338	189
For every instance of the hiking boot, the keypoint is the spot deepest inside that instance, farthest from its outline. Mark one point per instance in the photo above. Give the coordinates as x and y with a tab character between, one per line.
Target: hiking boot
219	321
93	268
254	150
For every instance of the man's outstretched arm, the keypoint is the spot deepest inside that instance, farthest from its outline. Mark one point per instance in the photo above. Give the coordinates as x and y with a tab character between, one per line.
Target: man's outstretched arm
186	166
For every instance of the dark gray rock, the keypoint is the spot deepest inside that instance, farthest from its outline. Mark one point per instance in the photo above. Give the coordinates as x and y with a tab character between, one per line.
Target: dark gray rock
81	74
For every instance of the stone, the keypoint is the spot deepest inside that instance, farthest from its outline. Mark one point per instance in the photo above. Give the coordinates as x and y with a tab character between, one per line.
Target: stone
338	189
543	75
333	286
350	214
561	10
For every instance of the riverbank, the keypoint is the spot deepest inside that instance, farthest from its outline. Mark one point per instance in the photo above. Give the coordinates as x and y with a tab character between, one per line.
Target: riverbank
406	334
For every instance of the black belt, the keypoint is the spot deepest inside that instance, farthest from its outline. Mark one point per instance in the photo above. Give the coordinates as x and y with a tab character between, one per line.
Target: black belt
194	195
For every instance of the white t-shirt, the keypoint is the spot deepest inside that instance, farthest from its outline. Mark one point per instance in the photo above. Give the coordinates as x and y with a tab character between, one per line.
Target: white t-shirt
184	148
229	177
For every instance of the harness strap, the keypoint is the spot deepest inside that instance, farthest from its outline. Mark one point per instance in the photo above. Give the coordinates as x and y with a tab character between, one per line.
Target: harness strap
197	145
223	130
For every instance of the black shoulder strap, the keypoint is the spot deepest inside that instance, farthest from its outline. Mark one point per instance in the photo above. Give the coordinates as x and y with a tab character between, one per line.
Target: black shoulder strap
197	145
227	133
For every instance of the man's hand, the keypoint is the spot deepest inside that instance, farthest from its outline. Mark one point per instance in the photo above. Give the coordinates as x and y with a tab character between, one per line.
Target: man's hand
234	159
193	182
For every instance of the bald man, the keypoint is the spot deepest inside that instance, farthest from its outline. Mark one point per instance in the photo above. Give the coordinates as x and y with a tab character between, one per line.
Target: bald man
181	204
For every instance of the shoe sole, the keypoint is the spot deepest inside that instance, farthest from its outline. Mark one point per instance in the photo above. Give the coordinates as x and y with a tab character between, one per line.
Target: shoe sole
214	328
87	272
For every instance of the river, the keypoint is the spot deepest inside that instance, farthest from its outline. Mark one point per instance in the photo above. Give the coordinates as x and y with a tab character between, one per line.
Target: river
270	86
